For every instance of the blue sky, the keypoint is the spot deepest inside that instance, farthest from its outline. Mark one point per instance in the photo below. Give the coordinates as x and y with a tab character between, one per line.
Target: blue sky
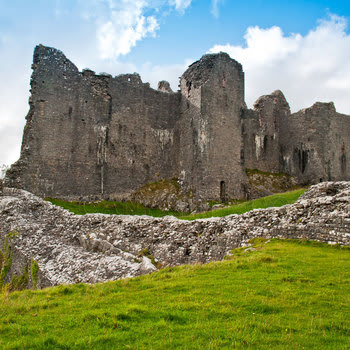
300	47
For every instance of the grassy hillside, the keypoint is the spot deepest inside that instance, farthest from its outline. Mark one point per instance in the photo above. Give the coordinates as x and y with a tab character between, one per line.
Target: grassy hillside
131	208
282	295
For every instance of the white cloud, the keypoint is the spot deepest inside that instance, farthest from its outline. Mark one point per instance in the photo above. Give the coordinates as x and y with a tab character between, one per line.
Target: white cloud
121	24
13	98
310	68
126	26
180	5
215	8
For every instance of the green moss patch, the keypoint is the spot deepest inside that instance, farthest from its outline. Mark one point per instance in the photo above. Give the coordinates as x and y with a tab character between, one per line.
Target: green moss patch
261	183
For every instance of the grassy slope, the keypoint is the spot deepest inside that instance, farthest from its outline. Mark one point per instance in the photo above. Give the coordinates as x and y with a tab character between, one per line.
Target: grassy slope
109	207
284	295
105	207
276	200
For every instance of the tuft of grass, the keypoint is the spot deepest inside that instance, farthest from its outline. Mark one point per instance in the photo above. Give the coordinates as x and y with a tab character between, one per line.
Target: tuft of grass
284	294
276	200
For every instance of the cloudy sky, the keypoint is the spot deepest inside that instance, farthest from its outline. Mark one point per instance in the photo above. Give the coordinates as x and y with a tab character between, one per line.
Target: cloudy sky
300	47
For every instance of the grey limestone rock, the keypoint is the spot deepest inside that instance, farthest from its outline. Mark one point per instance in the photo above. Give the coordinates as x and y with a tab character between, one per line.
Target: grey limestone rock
96	247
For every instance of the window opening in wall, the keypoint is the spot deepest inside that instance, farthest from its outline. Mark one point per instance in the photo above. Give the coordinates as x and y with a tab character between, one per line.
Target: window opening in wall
343	159
343	163
304	160
41	108
223	81
242	155
222	191
189	86
265	143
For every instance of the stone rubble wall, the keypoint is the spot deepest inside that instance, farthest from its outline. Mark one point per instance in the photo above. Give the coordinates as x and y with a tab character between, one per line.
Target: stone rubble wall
97	247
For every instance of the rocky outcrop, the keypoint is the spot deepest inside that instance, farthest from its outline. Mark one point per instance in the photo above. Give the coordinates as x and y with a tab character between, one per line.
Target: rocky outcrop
167	195
96	247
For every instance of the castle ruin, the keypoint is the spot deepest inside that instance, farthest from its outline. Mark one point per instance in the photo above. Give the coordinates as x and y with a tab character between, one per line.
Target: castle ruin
91	136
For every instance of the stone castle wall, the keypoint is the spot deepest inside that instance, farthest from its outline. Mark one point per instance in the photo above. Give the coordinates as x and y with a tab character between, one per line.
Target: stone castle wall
212	92
316	145
92	136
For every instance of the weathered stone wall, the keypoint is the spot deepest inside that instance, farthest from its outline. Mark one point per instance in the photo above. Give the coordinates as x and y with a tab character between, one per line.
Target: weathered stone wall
261	131
212	91
92	136
316	144
95	247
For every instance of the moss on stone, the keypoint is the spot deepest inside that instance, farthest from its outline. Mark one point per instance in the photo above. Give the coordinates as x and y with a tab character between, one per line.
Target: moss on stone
6	258
166	194
145	252
262	183
257	171
5	261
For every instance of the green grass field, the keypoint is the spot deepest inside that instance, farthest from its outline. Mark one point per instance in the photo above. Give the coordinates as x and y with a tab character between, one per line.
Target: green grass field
130	208
284	295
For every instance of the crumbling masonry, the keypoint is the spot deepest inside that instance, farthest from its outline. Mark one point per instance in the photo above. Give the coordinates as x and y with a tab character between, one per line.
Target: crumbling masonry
92	136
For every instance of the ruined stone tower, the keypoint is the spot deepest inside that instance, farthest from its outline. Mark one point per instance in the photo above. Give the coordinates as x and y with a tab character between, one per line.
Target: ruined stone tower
92	136
210	144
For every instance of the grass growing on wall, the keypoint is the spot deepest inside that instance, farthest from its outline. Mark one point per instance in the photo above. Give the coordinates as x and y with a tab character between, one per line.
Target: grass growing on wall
130	208
283	295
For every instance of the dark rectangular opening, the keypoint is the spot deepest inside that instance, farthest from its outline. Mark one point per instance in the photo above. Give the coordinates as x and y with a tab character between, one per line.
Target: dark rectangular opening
222	191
